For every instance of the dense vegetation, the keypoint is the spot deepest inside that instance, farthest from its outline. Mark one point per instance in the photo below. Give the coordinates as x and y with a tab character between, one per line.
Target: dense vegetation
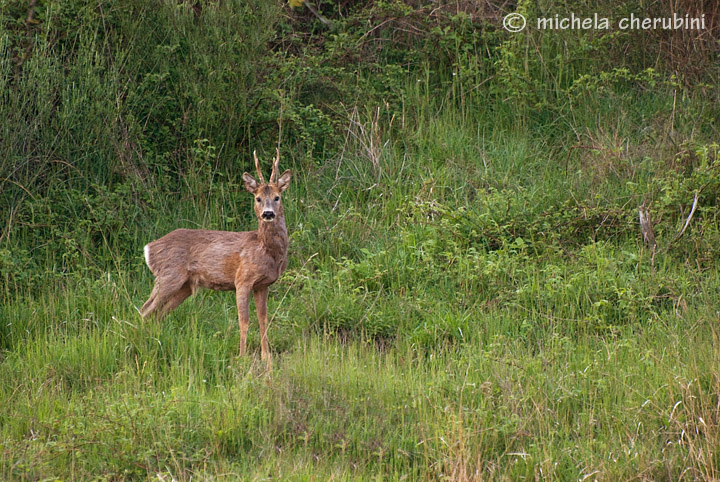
469	295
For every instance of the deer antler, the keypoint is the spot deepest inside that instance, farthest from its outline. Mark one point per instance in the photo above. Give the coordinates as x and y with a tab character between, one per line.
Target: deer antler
259	171
273	175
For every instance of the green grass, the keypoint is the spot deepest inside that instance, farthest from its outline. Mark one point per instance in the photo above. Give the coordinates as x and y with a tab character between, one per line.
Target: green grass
468	295
432	327
97	392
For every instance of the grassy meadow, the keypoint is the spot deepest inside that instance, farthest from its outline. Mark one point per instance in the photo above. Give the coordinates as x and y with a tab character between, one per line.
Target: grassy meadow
469	294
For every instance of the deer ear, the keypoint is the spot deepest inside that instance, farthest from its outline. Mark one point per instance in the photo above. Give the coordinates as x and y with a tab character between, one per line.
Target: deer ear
250	183
284	180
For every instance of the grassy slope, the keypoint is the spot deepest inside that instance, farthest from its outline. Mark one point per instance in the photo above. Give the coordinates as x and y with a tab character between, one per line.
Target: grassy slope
527	359
468	297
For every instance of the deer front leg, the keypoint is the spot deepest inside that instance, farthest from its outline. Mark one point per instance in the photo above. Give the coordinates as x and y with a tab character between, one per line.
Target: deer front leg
260	295
242	295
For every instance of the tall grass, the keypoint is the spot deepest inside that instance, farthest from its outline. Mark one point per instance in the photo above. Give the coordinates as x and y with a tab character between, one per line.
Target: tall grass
468	296
115	396
436	331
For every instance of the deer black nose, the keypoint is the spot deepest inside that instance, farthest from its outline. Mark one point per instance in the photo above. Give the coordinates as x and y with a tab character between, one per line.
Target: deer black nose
268	214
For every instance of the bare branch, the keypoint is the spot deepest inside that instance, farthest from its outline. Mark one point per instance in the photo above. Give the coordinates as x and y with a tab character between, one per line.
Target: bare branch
687	221
317	14
646	227
647	232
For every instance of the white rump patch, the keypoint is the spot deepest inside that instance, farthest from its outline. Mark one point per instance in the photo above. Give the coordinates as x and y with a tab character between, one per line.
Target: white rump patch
146	250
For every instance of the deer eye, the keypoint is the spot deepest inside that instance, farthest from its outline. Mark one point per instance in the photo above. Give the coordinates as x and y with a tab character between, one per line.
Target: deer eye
258	199
277	198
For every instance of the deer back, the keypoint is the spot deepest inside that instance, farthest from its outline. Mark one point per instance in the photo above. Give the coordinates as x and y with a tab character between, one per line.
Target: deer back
215	259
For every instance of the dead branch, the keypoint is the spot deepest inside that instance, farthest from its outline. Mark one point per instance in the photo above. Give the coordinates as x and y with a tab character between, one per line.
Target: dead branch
687	222
646	227
317	14
648	234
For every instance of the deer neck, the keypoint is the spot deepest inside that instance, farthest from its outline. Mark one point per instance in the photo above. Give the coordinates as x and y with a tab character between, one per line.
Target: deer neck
274	237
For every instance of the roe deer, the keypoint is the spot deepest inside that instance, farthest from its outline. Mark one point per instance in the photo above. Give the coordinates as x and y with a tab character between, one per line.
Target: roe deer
250	261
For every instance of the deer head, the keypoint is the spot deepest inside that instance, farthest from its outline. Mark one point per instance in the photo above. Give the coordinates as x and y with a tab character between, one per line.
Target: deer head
268	199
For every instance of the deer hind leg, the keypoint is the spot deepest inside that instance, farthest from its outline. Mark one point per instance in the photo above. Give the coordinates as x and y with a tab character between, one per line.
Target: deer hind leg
242	295
177	297
260	296
151	304
166	295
